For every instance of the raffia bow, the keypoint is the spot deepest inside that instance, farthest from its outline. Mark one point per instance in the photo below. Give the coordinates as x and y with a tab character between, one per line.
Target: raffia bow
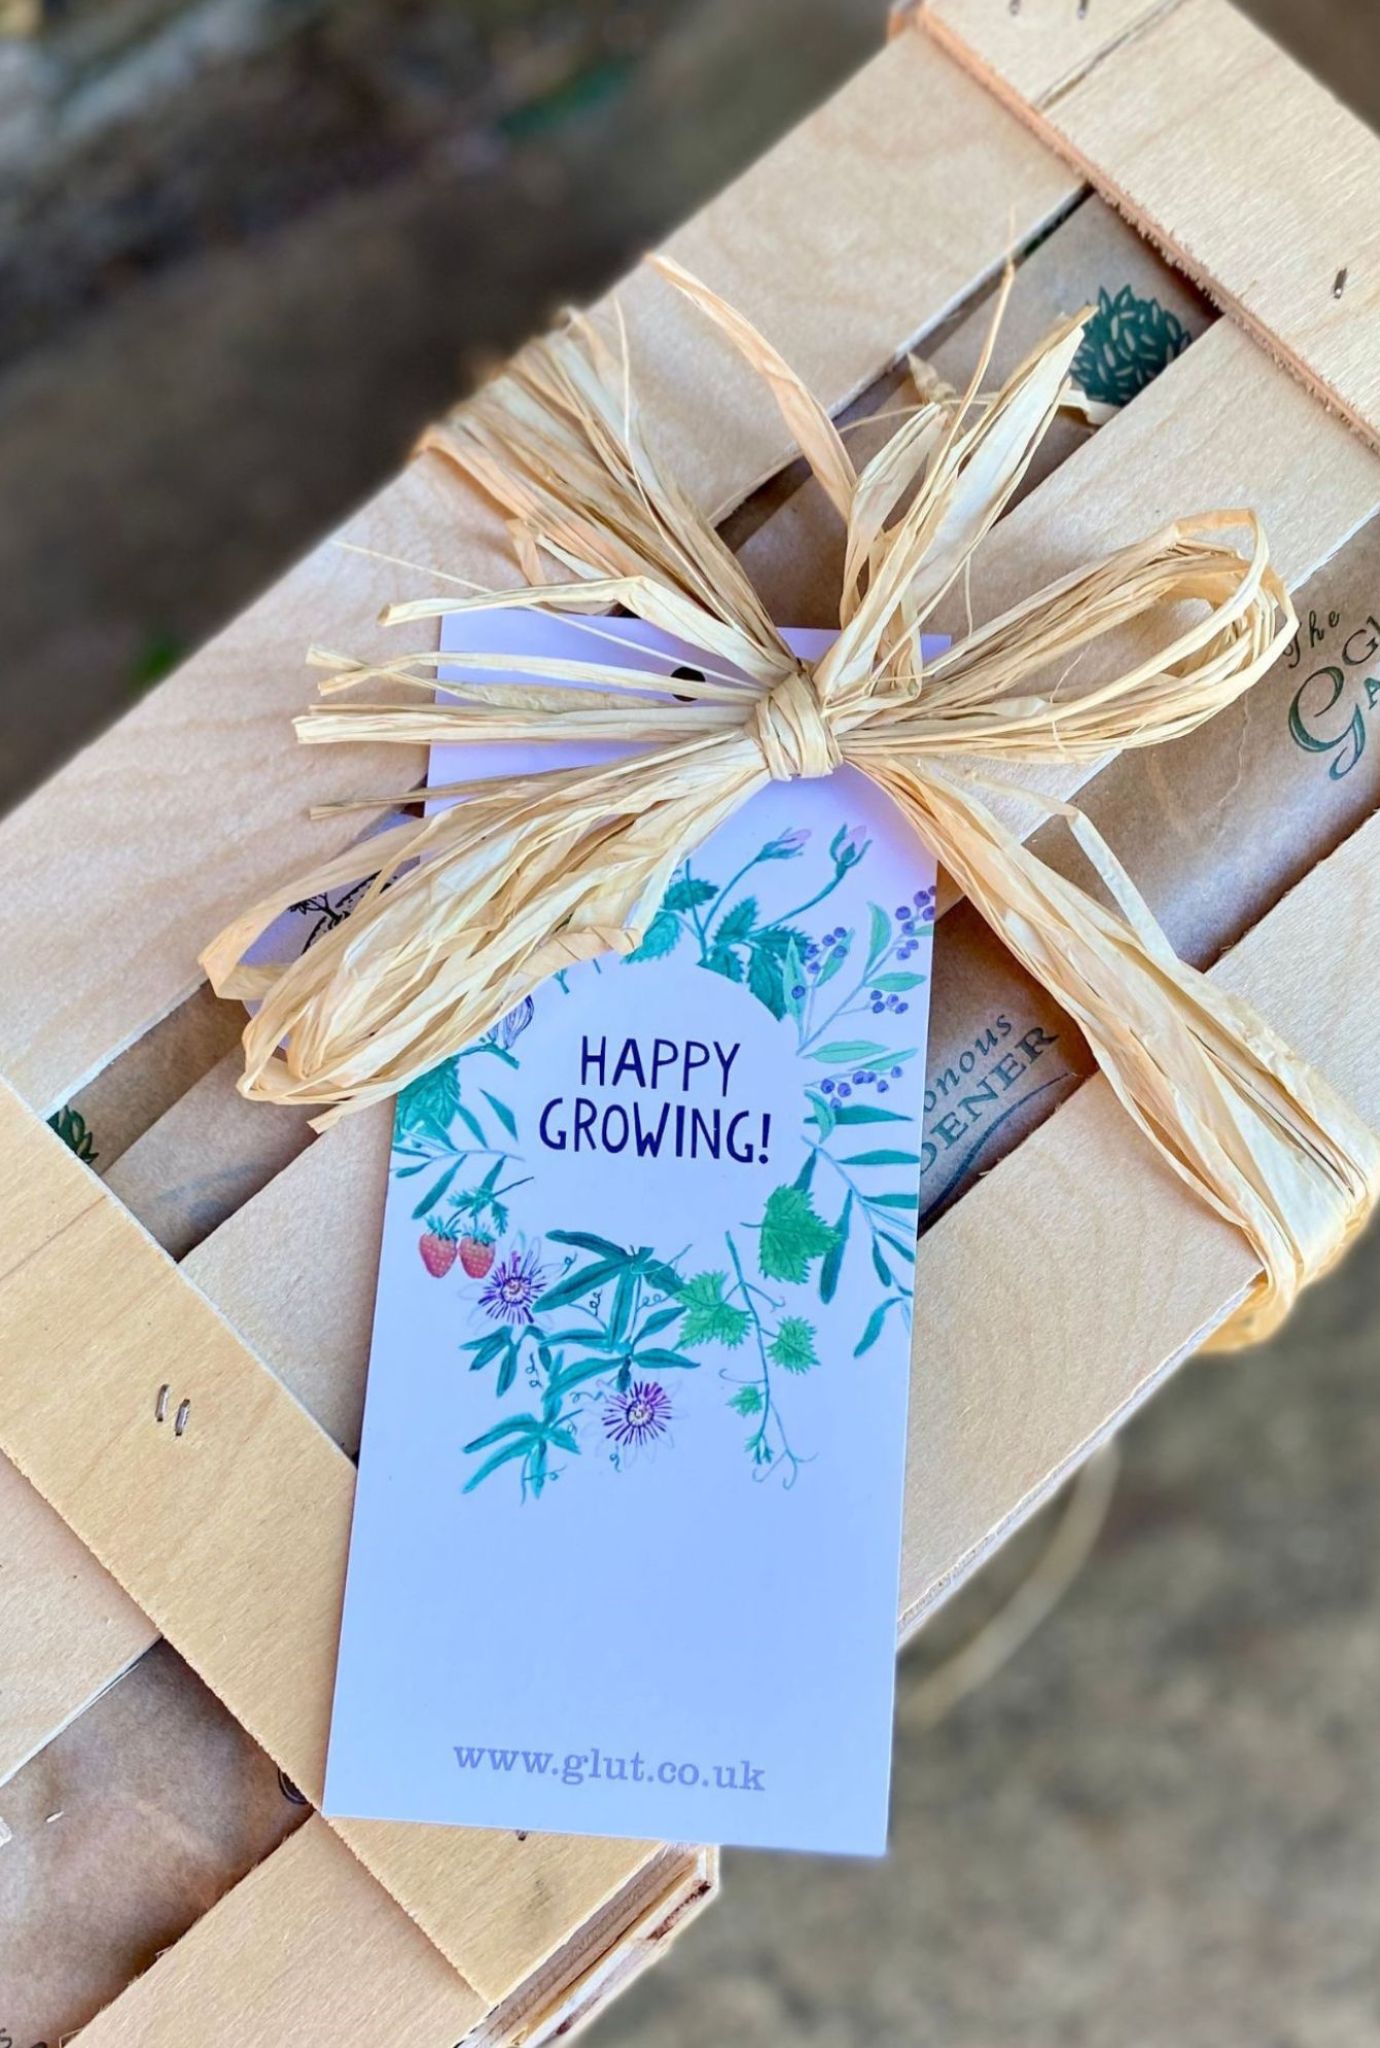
475	905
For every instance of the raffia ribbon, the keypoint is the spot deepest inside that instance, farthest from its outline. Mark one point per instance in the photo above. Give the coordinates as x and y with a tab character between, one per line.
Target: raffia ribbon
475	905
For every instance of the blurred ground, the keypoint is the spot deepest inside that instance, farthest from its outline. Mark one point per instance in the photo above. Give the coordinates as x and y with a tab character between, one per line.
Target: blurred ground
248	247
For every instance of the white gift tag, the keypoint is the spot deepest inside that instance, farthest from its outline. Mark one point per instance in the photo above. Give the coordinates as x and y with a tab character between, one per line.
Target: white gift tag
626	1542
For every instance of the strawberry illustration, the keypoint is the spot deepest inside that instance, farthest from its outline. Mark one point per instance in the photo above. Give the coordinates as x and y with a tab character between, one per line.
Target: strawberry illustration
438	1250
476	1253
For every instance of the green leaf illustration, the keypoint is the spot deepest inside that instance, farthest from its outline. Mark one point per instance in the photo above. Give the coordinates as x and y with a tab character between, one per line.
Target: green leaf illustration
575	1375
792	1235
661	1319
486	1349
438	1190
834	960
735	926
868	1113
879	935
502	1112
793	978
623	1297
471	1123
833	1260
665	1361
747	1401
882	1159
688	893
723	960
897	984
873	1330
709	1319
766	980
71	1127
849	1052
1125	345
519	1448
430	1102
793	1346
661	937
779	938
516	1425
586	1241
576	1286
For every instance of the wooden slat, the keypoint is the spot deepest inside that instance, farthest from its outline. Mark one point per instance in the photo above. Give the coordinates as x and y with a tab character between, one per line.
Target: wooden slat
238	1549
205	1157
307	1949
607	1953
1064	1288
795	555
197	799
67	1630
1222	426
1038	47
1245	169
306	1304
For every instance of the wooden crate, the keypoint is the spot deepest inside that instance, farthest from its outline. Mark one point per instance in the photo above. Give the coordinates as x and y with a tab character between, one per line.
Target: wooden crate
215	1269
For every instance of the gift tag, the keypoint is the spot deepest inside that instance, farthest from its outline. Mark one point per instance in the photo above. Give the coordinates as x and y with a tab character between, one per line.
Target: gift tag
626	1542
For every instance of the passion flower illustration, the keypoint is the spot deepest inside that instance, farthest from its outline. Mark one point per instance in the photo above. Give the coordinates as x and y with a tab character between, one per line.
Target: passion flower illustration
514	1285
638	1415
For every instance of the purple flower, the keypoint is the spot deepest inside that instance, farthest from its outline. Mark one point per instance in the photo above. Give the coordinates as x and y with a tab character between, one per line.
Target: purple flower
848	846
786	845
512	1025
638	1416
513	1287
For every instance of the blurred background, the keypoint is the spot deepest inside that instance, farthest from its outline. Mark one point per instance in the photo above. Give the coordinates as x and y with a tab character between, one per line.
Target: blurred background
247	249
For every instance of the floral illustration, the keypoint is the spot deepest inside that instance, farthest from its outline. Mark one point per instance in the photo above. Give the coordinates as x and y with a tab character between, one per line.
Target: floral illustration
728	929
582	1335
71	1127
326	910
514	1285
638	1416
1125	345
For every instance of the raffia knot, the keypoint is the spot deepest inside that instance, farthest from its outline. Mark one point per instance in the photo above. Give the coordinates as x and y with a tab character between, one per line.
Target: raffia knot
796	738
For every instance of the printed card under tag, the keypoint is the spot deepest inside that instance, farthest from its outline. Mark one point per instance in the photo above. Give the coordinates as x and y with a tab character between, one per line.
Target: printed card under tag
625	1553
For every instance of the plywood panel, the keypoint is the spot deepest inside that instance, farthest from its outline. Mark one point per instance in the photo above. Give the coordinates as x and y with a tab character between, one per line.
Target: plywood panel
1037	47
1066	1285
307	1950
67	1629
1245	169
196	801
238	1548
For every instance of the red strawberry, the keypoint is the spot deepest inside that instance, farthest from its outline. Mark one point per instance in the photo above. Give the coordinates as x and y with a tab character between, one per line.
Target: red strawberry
476	1254
438	1253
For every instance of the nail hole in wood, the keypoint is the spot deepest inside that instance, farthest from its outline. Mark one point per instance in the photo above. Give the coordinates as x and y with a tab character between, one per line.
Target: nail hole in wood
180	1424
1339	282
160	1406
